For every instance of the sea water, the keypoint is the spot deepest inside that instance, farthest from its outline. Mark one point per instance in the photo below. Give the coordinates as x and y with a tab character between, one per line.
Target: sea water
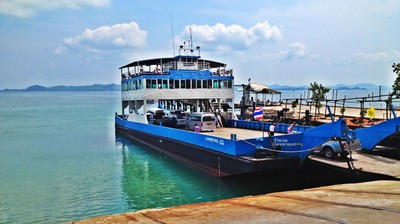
61	160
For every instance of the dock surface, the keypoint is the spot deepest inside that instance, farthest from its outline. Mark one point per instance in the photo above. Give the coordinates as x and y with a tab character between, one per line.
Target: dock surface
369	202
366	163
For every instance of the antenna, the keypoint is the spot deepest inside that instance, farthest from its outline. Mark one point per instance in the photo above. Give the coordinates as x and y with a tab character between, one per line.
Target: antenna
191	40
172	33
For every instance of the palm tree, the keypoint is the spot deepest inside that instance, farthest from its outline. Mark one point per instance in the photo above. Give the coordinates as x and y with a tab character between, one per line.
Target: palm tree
318	94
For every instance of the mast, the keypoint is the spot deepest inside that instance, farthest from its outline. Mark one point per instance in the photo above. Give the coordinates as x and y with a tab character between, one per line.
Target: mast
172	33
191	40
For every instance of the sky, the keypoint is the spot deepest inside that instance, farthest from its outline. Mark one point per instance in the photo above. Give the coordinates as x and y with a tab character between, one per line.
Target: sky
84	42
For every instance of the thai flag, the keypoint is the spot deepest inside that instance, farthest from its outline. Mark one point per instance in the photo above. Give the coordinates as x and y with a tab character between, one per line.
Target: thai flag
258	113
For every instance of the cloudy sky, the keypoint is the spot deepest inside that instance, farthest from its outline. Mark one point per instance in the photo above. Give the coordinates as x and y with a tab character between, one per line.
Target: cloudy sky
83	42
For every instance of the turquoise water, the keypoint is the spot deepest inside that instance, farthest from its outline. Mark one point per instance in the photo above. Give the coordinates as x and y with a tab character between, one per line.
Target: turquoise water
60	161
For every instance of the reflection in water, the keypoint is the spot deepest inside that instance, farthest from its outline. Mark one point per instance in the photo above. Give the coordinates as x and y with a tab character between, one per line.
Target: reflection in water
153	180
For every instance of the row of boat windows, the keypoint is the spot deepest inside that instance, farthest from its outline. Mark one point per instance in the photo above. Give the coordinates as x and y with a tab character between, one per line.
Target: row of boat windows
177	84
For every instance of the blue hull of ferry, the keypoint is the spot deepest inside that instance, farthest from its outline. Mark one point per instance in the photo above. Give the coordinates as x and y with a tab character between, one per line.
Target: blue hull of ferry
224	157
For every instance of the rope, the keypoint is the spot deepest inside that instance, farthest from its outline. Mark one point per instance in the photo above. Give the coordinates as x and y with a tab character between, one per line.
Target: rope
274	150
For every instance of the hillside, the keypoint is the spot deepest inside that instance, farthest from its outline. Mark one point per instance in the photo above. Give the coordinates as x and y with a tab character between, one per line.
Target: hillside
95	87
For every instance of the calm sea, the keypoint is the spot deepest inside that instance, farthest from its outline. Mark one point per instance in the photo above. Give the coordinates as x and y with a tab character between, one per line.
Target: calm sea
60	161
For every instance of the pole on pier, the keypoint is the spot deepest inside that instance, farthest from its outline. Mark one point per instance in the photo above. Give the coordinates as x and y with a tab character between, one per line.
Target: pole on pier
330	113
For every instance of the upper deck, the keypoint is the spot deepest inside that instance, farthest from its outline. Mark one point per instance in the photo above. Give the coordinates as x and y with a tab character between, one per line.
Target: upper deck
185	60
185	76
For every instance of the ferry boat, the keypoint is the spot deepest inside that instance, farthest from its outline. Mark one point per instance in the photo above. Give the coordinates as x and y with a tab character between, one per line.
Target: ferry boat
189	83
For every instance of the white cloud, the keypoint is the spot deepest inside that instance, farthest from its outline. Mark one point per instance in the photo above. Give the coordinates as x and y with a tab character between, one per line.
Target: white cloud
392	56
124	35
231	38
296	51
28	8
375	58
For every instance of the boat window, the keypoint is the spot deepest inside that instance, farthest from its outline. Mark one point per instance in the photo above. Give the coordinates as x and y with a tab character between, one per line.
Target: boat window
165	84
198	84
187	83
209	84
215	86
224	84
193	84
176	83
183	84
140	84
154	83
148	83
159	84
230	84
205	84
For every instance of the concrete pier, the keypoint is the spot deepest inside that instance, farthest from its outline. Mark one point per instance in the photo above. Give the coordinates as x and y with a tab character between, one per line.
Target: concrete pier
369	202
365	163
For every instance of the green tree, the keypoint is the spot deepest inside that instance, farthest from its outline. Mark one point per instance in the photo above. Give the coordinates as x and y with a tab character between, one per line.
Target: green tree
318	93
396	85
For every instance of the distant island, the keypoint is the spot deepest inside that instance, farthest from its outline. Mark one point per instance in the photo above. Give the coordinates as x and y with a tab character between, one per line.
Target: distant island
95	87
117	87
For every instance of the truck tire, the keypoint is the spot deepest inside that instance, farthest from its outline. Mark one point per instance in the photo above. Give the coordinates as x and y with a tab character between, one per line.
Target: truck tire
328	152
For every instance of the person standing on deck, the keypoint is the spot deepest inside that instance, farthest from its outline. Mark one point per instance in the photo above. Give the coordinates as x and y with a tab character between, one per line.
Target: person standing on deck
197	128
272	129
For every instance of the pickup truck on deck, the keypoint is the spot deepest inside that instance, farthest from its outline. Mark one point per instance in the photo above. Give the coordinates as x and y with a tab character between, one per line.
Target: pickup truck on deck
332	148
